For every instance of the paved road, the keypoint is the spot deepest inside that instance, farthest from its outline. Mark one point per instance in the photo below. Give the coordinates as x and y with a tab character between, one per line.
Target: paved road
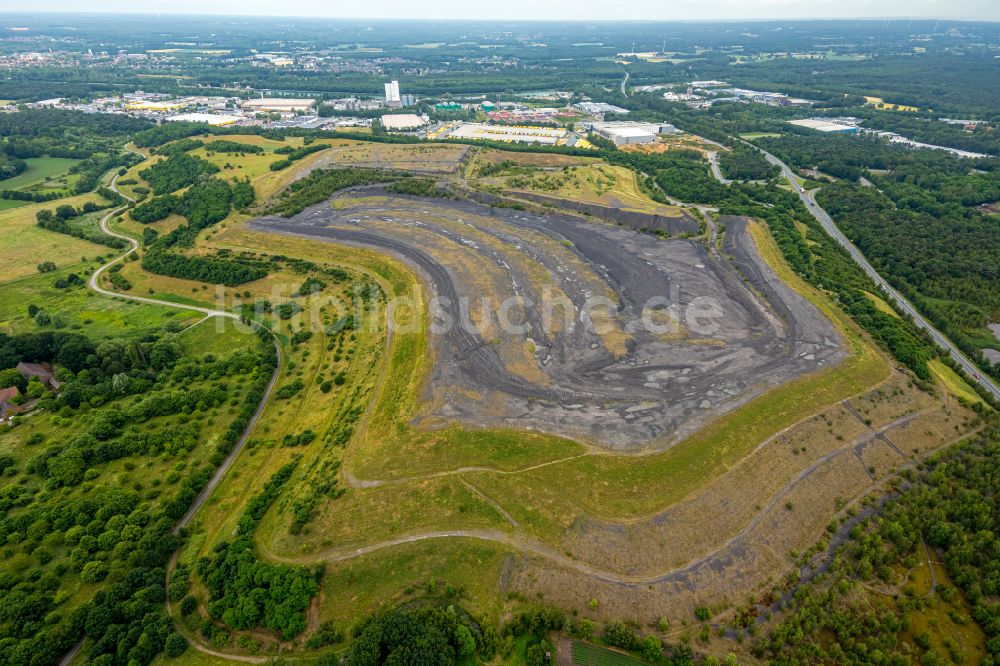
713	160
809	199
624	84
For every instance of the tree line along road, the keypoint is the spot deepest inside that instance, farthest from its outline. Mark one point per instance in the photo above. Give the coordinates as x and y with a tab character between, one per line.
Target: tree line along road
809	199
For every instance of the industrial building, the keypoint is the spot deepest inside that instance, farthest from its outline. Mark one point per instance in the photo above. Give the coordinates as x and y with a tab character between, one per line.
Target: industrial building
214	119
278	105
599	108
392	94
549	136
402	121
630	133
154	105
823	125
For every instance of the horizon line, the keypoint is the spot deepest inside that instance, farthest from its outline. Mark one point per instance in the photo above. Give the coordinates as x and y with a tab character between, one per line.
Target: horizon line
829	19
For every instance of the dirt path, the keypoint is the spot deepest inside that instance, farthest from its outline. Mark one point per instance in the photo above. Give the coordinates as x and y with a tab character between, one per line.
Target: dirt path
94	284
528	544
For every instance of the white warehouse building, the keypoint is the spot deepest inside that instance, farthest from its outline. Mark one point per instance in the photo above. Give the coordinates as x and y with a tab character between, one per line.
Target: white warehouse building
631	133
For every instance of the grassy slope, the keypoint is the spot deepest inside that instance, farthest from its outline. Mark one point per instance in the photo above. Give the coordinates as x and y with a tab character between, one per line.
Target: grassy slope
39	170
23	245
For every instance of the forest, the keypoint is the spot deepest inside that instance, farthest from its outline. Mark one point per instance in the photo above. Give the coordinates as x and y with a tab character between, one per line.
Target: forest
919	225
744	163
114	538
177	171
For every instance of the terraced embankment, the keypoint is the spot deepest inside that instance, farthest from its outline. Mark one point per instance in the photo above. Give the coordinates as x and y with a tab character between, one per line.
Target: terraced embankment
578	328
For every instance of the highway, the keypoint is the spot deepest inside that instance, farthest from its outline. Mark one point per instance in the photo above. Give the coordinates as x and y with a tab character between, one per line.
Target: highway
809	199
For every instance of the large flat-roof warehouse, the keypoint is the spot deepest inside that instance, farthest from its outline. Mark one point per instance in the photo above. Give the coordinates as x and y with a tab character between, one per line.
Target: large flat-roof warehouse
821	125
511	133
278	104
402	121
627	133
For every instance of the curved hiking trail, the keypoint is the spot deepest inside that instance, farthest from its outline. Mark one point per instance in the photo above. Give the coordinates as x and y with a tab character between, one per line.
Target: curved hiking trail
94	284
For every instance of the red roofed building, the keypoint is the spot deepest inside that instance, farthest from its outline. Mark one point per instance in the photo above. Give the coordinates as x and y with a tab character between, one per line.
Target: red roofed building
7	405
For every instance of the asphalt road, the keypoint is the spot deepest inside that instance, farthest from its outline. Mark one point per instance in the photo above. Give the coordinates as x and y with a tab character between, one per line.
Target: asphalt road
809	199
713	161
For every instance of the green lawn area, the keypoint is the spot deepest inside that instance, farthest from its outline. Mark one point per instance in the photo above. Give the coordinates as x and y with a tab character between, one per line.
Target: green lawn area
80	308
7	204
219	336
40	169
24	245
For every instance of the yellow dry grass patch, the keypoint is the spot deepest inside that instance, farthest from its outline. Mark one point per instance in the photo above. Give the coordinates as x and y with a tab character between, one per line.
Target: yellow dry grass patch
882	105
24	245
600	184
881	305
952	382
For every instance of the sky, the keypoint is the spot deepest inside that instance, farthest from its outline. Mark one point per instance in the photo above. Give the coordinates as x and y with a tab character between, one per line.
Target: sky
982	10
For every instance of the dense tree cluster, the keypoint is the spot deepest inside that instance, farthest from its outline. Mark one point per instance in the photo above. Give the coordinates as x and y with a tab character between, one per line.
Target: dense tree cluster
245	592
294	154
11	166
109	537
177	171
952	507
167	132
426	635
946	265
203	204
744	163
226	146
61	133
420	187
319	185
156	209
61	221
682	174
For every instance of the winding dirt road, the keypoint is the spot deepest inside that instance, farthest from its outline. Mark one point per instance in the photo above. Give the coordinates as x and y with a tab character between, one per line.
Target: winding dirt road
94	284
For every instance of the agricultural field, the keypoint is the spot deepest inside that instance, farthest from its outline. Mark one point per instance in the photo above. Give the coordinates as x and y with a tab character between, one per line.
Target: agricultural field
588	654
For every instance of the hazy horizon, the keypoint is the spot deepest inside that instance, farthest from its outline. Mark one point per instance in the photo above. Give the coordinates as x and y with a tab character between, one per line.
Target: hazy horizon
550	10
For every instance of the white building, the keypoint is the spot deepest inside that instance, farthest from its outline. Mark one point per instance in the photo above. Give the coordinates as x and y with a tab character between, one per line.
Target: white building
628	133
392	93
599	108
402	121
278	105
215	119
